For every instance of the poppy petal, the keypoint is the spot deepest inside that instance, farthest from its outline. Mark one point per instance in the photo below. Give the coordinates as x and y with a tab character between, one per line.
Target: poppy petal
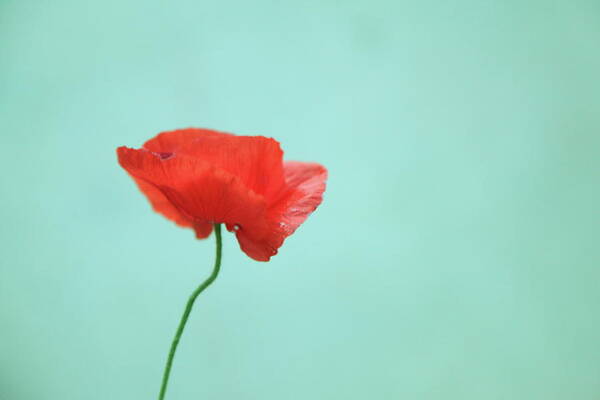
202	193
174	141
306	184
203	229
161	204
256	160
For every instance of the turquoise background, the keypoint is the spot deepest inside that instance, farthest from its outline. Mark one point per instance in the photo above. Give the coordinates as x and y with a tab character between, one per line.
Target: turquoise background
455	255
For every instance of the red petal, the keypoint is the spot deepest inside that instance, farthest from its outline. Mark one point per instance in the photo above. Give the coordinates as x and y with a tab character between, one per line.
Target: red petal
203	229
174	141
200	192
305	186
161	205
255	160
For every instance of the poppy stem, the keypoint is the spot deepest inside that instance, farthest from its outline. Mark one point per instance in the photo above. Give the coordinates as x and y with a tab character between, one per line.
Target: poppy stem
188	309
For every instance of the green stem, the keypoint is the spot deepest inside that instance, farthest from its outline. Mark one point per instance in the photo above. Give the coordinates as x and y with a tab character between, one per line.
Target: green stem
188	309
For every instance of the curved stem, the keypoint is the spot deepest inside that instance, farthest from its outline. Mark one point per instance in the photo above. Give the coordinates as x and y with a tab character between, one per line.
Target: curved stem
188	309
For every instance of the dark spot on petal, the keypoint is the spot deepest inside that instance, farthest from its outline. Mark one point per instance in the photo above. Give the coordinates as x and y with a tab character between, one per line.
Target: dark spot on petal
165	155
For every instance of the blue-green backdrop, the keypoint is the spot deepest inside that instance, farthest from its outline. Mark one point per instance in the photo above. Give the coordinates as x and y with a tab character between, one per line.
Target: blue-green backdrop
455	255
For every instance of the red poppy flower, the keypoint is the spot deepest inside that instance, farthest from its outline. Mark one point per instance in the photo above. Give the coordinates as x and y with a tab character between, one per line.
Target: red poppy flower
198	177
